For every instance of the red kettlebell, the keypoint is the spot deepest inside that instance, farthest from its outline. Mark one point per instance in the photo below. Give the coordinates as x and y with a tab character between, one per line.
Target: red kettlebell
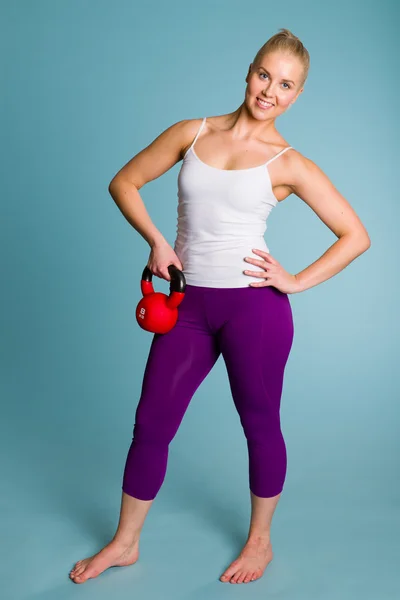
157	312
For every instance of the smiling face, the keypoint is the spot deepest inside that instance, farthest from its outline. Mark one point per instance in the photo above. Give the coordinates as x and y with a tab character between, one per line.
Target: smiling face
276	80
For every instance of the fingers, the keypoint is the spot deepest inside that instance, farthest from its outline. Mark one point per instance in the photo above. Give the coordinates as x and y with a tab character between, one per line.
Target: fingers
260	263
161	273
255	261
266	255
266	283
257	274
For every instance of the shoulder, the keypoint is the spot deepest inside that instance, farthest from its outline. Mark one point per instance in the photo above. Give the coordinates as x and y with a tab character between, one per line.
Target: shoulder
188	131
293	172
308	181
180	134
299	168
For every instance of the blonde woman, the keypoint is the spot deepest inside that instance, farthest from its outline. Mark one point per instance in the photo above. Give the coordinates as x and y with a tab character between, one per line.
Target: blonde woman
235	169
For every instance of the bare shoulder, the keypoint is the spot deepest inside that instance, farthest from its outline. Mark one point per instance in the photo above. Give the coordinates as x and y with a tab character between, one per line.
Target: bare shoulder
312	185
281	169
297	161
185	131
160	155
301	170
189	129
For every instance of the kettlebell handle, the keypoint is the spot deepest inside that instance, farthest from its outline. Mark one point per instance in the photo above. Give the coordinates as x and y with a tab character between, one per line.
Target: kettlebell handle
177	283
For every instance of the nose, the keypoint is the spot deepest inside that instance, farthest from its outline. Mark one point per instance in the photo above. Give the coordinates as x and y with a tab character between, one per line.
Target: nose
268	93
268	90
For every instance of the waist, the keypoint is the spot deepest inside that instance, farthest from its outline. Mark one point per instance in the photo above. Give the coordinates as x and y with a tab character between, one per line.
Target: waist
219	263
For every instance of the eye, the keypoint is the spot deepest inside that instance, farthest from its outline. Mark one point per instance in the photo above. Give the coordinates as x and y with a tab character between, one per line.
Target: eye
284	83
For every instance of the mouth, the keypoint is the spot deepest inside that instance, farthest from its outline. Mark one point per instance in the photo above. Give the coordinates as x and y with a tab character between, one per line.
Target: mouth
264	104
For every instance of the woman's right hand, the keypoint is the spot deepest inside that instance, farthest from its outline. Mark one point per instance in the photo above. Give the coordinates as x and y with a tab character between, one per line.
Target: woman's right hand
161	256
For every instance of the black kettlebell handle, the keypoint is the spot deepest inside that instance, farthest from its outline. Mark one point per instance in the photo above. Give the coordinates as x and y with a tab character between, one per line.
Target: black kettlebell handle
177	283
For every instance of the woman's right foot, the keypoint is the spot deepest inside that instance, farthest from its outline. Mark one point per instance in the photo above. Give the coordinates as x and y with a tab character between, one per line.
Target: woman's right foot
115	554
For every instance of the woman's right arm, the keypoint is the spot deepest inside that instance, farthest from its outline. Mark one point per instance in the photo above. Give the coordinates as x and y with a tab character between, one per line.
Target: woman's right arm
151	162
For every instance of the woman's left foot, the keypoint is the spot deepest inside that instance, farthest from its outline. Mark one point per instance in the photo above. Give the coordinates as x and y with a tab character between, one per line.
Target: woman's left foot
251	563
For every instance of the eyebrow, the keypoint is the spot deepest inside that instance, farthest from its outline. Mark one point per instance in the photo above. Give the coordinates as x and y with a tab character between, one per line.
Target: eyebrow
282	79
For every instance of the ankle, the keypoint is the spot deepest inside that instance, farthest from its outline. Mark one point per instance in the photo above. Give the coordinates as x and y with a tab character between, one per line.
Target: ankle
259	537
126	539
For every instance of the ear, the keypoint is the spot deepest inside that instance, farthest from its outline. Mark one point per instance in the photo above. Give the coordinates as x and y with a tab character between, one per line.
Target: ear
248	73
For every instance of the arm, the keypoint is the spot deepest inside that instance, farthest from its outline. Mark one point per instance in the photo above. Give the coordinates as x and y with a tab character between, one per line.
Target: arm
311	184
154	160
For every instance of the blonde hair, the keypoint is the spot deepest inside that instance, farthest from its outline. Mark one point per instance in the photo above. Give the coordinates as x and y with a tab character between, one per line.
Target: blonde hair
285	41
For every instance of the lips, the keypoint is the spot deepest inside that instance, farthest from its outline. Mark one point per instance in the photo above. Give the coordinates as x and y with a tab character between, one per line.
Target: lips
263	101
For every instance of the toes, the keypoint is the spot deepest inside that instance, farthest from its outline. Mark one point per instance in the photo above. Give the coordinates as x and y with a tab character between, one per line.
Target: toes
241	577
81	578
79	575
76	565
231	570
235	577
235	574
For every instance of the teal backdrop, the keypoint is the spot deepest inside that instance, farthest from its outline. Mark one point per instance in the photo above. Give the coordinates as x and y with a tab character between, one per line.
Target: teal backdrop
86	86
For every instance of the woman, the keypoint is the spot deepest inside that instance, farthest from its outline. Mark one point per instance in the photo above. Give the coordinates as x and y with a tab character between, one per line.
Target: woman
226	190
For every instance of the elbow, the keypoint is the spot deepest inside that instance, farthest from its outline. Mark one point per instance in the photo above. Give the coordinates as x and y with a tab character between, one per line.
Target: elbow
119	180
364	242
360	241
111	186
362	238
367	240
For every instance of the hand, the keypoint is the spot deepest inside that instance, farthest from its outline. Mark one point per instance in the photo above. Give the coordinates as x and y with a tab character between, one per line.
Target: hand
275	275
161	256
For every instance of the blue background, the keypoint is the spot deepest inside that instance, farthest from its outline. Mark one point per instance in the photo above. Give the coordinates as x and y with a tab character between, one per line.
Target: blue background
87	85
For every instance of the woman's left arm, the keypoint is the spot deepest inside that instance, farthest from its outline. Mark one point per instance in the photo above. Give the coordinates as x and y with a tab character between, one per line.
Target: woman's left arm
313	186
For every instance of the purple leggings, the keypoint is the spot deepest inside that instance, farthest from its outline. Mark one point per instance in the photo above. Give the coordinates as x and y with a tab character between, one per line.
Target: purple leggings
253	330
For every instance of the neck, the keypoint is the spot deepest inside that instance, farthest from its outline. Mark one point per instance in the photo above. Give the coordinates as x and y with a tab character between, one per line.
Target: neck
244	126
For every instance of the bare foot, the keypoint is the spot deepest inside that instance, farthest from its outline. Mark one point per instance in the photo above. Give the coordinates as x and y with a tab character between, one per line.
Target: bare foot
251	563
115	554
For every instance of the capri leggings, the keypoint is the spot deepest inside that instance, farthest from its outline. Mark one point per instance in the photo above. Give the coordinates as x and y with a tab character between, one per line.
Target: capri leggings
252	327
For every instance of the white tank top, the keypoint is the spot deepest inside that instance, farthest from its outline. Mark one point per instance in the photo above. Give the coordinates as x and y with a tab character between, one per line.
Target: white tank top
221	216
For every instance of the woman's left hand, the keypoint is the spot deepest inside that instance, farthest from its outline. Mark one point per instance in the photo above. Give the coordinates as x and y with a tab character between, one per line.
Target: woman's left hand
275	275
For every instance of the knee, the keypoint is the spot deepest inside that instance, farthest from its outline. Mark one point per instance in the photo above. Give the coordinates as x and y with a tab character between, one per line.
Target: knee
153	432
262	428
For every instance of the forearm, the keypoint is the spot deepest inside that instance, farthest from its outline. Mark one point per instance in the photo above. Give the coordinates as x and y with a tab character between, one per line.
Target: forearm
126	196
334	260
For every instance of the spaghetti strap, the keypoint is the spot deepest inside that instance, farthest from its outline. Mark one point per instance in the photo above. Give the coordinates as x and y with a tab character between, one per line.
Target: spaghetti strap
279	153
197	135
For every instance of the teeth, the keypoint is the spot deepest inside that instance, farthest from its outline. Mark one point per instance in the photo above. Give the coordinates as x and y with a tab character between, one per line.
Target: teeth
264	103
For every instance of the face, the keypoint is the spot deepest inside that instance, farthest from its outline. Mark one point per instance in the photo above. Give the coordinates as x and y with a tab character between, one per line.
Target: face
275	79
